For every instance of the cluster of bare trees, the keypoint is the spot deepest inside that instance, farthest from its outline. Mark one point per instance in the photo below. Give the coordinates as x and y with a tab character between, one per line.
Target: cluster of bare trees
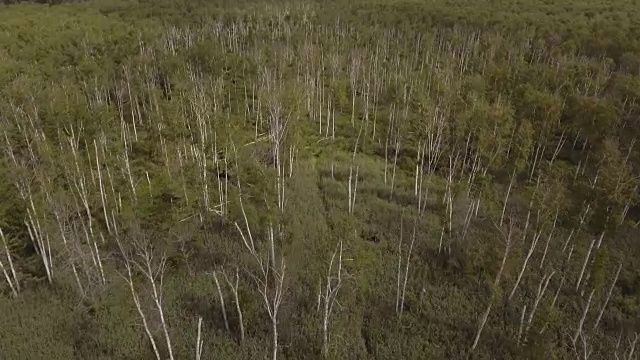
398	97
556	261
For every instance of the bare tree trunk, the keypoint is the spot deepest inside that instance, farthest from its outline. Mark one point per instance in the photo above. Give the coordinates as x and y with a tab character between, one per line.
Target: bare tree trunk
14	284
395	162
542	288
524	311
40	240
584	316
199	341
632	346
506	198
272	298
103	197
333	284
399	264
483	321
534	242
406	271
234	291
224	311
606	301
485	315
136	299
507	247
546	246
584	264
157	292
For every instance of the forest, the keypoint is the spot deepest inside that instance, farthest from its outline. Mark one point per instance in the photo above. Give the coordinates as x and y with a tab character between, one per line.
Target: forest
306	179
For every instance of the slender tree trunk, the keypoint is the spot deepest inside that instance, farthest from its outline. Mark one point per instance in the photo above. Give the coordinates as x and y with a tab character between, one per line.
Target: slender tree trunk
606	301
222	307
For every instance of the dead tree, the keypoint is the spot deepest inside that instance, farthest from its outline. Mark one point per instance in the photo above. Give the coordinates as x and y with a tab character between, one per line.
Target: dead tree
271	270
155	275
542	289
221	297
606	301
632	346
506	197
353	79
586	350
485	314
353	178
400	303
584	264
236	300
532	247
39	238
199	341
399	278
520	328
12	279
153	271
546	246
398	141
136	299
328	295
272	295
582	319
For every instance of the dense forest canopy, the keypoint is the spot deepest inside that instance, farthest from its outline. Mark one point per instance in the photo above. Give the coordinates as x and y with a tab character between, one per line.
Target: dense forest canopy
319	179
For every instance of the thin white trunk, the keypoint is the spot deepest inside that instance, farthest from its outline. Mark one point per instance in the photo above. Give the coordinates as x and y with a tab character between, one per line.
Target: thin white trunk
333	284
542	288
399	277
222	307
524	311
236	300
546	246
136	299
506	198
606	301
483	321
103	197
584	316
14	284
406	271
534	242
584	264
199	341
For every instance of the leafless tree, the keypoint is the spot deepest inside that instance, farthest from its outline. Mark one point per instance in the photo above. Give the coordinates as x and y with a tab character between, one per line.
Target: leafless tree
221	297
606	301
520	328
328	295
12	279
587	350
506	197
272	295
584	264
485	314
632	346
353	78
546	246
236	300
542	288
136	300
532	247
153	270
199	341
582	319
40	238
400	302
